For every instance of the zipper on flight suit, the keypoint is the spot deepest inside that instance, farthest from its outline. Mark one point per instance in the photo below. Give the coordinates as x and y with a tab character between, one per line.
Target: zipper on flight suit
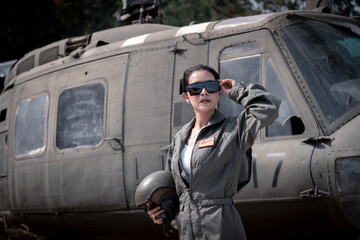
191	162
191	180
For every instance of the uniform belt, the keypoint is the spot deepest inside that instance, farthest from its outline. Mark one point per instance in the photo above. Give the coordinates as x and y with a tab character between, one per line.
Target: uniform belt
209	202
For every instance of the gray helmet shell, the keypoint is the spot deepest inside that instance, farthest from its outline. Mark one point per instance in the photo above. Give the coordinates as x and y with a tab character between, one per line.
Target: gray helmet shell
154	187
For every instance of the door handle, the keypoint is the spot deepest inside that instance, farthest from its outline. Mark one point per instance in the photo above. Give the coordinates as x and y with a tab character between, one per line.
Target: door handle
116	143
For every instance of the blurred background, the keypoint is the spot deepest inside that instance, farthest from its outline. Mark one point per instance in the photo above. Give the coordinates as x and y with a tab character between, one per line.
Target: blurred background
26	25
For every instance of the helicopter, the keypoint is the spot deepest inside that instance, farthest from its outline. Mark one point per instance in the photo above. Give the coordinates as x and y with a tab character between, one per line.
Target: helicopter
85	119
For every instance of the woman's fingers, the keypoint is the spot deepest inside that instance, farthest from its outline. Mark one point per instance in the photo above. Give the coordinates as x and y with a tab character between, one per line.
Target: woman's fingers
153	213
226	85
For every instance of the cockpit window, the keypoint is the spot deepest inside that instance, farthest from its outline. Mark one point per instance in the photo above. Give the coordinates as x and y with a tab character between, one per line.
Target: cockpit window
80	119
30	126
241	63
328	56
288	123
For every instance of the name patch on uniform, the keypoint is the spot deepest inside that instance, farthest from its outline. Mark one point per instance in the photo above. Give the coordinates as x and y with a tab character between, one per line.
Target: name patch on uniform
207	142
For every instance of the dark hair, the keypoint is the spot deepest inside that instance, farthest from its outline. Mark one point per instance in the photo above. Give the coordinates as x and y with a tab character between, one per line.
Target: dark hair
185	80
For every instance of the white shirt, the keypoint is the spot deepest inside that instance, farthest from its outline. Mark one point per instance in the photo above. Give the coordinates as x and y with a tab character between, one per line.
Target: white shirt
185	156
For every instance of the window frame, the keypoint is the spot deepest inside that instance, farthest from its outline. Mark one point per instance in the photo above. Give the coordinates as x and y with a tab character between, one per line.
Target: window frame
272	46
82	147
264	57
46	127
290	102
242	54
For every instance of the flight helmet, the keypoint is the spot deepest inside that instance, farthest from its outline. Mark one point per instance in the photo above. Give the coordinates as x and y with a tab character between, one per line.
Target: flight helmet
158	189
155	188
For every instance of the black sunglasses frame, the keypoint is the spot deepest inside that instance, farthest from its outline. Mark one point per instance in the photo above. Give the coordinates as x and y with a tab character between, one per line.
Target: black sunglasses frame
211	86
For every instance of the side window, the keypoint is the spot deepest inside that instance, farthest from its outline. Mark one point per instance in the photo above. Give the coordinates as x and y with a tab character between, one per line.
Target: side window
80	118
243	64
30	126
3	115
288	122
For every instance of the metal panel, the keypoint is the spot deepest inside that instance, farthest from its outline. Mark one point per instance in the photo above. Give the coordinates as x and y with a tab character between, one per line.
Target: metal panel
33	179
4	154
147	113
193	50
26	65
274	161
92	183
36	187
93	176
76	179
4	199
5	109
142	159
5	99
49	55
148	97
4	202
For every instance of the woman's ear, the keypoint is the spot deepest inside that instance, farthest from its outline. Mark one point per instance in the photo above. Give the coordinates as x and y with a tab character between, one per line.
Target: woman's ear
186	97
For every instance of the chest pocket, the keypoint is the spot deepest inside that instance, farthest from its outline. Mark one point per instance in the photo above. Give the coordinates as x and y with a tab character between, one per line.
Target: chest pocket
204	150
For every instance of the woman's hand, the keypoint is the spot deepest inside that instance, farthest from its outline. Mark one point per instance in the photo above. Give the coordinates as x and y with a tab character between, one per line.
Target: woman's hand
153	213
226	85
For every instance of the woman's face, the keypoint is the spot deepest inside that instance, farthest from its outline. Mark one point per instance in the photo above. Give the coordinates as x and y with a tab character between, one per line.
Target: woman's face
204	102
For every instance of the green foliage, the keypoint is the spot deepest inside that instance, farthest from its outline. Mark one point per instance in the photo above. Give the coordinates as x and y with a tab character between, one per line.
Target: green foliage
31	24
183	12
349	8
24	26
28	25
281	5
78	17
345	7
230	9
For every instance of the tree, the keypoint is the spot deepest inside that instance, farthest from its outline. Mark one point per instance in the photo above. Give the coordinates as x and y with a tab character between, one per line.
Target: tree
349	8
31	24
280	5
78	17
24	26
183	12
28	25
229	9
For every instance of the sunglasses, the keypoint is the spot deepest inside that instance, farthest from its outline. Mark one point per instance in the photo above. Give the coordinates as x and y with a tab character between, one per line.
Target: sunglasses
211	86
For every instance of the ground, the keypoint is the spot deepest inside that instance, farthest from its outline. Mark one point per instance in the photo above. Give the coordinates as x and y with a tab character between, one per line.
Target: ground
9	232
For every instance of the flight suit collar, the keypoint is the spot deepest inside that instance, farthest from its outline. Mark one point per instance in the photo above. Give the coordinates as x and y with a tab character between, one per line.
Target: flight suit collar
180	141
217	117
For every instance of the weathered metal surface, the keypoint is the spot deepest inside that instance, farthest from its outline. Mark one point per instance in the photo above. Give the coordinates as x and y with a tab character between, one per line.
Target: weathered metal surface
128	90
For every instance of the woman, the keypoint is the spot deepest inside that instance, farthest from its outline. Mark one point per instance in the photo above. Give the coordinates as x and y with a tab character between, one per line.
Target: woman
210	157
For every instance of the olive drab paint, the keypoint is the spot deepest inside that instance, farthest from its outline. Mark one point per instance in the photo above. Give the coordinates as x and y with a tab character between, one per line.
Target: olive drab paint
82	126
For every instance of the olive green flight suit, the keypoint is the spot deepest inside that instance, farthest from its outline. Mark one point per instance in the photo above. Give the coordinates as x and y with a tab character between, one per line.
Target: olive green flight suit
220	166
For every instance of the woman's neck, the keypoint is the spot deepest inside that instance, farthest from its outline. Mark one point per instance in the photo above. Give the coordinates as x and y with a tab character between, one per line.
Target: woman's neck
202	119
